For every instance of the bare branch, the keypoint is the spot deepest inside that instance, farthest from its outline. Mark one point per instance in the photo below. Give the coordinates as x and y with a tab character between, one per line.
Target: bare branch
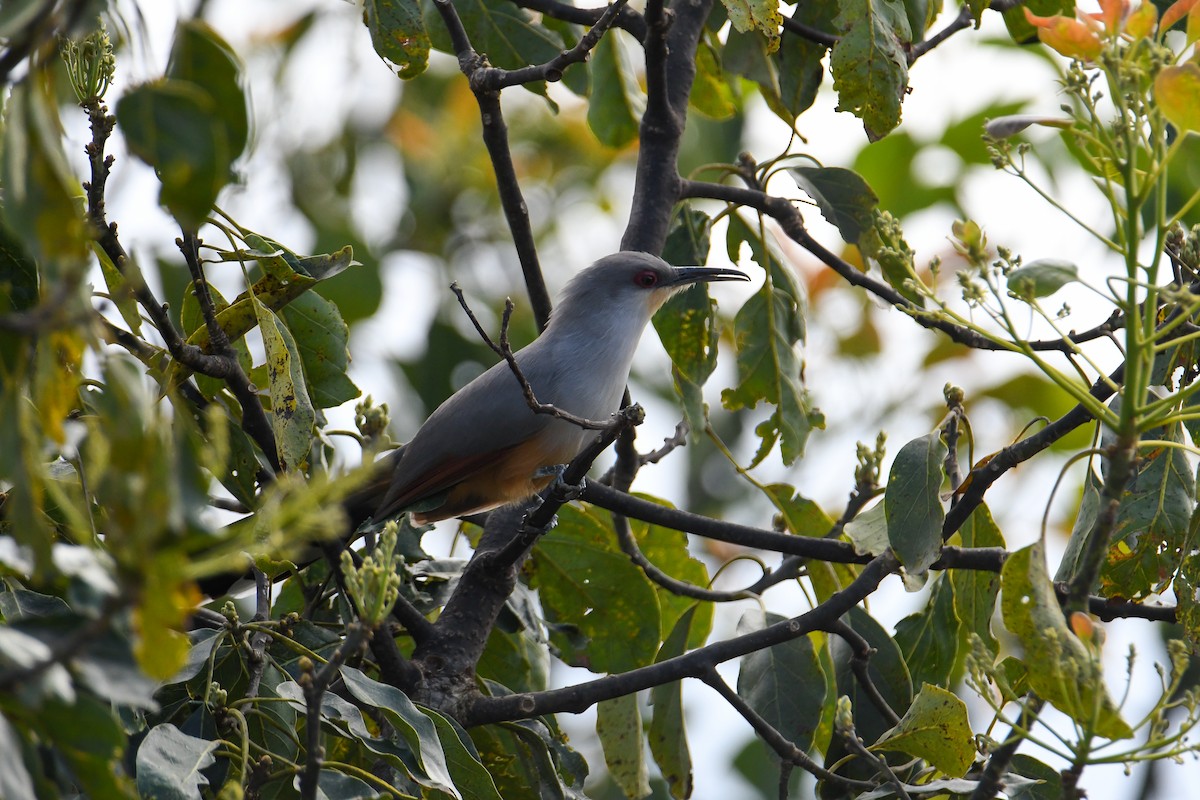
490	79
495	138
627	19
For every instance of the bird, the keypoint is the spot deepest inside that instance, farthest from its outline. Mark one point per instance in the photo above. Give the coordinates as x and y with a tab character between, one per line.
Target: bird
484	447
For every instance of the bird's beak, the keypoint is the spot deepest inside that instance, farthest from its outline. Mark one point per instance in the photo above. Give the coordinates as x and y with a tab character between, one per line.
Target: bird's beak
686	276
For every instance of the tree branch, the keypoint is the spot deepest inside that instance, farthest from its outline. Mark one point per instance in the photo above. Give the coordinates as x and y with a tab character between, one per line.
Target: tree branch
774	738
493	79
482	710
495	138
789	219
627	19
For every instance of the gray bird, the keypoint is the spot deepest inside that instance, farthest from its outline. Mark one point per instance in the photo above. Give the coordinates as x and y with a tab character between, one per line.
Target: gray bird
484	447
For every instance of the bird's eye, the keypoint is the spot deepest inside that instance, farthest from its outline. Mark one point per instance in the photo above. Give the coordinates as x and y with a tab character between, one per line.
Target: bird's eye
647	279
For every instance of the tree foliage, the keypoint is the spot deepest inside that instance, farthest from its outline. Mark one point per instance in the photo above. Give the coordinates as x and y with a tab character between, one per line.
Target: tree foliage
167	408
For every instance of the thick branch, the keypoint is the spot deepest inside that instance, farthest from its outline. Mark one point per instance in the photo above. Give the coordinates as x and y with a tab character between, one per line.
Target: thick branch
670	51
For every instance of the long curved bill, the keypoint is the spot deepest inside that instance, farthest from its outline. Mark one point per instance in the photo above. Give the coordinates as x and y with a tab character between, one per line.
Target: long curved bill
686	276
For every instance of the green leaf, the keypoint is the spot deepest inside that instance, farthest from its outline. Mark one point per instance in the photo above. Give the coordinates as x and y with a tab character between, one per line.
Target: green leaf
975	591
1151	530
844	198
292	413
913	505
1049	786
868	531
887	669
616	103
798	61
1187	589
766	331
687	324
175	127
711	93
169	763
667	734
936	729
619	727
869	65
398	34
200	56
530	760
574	569
1063	671
933	639
39	191
1041	278
321	337
784	683
668	550
88	735
413	725
760	15
471	778
1081	531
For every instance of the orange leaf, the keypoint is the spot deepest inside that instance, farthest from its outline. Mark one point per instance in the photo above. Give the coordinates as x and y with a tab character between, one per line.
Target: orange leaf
1068	36
1176	12
1177	90
1111	14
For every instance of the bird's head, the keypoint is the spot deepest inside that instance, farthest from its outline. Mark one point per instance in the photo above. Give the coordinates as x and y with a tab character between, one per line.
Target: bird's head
632	284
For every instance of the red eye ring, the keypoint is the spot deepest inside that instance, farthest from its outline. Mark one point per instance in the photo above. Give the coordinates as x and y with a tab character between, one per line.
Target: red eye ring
647	279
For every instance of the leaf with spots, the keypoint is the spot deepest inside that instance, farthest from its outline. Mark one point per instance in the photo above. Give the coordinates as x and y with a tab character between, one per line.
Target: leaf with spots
619	726
935	728
292	412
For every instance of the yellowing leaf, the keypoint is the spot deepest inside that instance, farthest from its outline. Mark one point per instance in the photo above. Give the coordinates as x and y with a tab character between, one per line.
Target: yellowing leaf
1062	670
1141	22
762	15
934	728
1177	90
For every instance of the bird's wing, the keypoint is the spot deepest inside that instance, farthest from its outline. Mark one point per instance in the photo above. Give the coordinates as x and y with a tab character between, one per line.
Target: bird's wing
472	430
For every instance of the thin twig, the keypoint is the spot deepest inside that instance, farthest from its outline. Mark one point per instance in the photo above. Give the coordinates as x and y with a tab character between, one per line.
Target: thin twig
860	664
629	547
504	350
784	747
314	685
788	216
